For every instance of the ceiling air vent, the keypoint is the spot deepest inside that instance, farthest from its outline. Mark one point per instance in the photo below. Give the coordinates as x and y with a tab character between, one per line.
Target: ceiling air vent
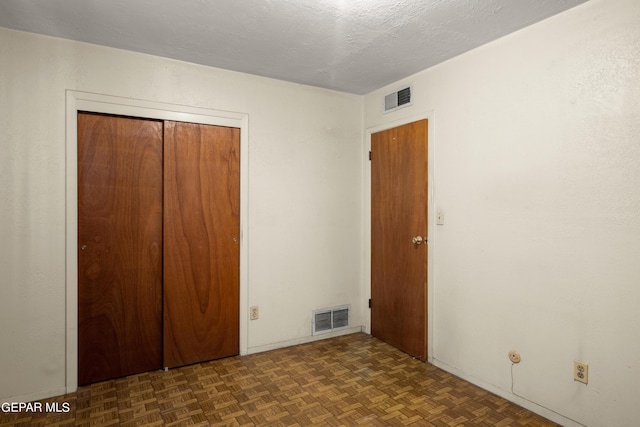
331	319
398	99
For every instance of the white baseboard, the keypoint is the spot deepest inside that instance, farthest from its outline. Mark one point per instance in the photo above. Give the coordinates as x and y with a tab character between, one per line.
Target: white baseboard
304	340
527	404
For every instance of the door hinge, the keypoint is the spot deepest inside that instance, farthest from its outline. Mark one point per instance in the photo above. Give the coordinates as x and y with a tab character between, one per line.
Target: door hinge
369	302
369	155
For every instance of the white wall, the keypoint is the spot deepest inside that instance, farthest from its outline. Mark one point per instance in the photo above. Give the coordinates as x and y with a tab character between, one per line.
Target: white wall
536	166
304	199
536	158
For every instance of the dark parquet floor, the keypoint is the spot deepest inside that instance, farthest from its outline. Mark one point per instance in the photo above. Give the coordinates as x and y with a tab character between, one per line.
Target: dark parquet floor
353	380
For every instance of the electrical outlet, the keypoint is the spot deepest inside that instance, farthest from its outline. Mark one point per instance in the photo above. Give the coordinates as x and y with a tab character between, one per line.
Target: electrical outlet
254	313
514	356
580	371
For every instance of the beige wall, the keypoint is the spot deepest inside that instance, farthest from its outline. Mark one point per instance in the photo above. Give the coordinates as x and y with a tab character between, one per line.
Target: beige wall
536	166
304	193
535	161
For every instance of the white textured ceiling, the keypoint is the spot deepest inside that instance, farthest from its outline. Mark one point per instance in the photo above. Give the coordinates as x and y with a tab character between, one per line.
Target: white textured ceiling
349	45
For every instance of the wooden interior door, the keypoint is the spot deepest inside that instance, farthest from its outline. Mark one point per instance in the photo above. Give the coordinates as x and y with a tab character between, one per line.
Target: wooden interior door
119	246
201	235
398	216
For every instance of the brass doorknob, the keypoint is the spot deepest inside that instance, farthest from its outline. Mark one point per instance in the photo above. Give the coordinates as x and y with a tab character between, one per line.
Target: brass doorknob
417	240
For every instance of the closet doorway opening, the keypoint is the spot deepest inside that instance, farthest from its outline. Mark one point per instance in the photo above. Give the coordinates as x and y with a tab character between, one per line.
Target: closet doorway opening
151	111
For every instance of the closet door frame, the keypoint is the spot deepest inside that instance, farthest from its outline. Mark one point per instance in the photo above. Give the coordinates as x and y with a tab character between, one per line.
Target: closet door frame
106	104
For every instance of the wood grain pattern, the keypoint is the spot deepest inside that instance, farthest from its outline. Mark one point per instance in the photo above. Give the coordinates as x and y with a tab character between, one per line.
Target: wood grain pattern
119	246
201	234
353	380
399	213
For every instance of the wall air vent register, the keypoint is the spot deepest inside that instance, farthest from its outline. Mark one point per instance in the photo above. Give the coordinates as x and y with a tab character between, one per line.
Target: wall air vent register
398	99
331	319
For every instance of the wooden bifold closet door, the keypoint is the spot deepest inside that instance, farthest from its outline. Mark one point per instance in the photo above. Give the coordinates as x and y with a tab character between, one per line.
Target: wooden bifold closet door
119	246
201	232
158	250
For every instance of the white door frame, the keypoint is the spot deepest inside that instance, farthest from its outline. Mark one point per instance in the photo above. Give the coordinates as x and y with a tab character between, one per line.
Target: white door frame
97	103
366	231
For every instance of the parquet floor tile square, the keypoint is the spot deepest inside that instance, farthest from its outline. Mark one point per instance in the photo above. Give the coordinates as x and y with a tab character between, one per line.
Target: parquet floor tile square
353	380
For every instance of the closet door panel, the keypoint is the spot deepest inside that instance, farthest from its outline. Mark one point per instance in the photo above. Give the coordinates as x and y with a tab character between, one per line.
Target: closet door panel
119	246
201	242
